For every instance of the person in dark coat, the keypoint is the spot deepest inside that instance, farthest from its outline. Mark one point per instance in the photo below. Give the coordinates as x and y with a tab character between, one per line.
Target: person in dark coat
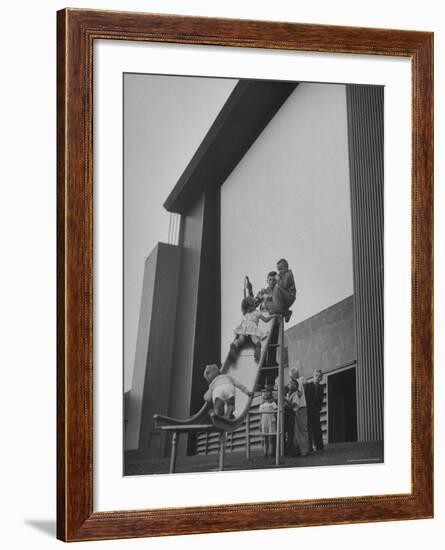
314	400
284	292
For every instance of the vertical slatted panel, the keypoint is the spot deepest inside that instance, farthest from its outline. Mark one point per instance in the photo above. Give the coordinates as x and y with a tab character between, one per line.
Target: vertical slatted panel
173	228
365	136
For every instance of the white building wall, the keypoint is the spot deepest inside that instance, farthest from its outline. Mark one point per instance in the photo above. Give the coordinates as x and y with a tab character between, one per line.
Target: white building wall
289	197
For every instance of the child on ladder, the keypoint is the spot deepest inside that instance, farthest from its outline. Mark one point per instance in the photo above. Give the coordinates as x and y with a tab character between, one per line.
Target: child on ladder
264	300
284	292
268	423
248	330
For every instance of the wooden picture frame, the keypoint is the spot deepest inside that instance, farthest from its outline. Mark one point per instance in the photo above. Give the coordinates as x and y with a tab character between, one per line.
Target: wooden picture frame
77	31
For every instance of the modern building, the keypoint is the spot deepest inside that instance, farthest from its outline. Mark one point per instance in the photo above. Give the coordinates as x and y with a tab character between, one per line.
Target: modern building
305	163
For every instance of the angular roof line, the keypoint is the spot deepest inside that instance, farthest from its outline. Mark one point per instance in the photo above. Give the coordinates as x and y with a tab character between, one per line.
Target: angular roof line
245	114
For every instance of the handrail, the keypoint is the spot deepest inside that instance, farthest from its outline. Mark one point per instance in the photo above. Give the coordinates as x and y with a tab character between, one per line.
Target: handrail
161	419
219	423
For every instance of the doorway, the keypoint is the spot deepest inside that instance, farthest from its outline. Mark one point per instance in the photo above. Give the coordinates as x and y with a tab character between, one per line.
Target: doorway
342	406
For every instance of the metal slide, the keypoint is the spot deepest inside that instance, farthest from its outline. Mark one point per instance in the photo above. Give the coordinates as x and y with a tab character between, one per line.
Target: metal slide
245	370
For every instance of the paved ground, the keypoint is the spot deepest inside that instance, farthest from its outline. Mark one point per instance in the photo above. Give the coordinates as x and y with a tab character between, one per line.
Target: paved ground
334	454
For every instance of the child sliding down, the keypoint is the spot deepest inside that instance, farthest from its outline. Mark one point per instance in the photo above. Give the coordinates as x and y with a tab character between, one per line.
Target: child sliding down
248	329
222	391
268	422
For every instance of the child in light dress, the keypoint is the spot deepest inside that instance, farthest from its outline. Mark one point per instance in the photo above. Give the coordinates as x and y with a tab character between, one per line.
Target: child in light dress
268	423
248	329
221	391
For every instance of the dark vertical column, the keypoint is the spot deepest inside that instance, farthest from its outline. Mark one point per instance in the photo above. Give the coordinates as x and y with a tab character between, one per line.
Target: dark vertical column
198	314
207	344
365	136
190	242
159	353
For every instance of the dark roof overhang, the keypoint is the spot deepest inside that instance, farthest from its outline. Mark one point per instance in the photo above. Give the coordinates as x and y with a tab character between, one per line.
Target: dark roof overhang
247	111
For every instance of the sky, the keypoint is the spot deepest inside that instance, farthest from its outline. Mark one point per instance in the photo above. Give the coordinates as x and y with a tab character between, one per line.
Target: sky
165	120
288	197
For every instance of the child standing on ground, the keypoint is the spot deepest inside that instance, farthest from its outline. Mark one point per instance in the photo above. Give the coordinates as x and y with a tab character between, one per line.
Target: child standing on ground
284	292
248	329
221	391
268	423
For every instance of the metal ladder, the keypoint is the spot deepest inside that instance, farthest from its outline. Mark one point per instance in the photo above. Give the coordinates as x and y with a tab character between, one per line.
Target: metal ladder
276	346
279	434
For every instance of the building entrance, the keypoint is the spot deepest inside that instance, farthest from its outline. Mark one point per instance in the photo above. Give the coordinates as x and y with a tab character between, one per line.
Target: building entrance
342	406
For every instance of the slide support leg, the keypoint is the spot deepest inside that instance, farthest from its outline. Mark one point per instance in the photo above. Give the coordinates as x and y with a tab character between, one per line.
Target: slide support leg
173	453
222	449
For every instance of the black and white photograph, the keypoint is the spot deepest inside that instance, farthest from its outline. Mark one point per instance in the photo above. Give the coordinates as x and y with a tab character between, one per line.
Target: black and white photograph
253	274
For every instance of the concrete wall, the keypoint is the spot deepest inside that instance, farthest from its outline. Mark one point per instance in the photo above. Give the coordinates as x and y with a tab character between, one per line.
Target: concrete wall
154	350
135	399
289	197
179	330
324	341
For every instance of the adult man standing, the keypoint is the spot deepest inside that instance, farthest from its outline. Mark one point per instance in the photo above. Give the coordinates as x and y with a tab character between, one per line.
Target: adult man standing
296	402
314	400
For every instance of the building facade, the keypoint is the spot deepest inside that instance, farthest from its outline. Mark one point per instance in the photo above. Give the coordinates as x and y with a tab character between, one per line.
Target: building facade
342	332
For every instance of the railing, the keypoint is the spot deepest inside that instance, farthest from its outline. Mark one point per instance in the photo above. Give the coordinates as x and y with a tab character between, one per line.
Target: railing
208	443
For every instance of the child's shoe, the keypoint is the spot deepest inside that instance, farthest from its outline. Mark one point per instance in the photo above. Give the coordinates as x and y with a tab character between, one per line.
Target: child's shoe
232	353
